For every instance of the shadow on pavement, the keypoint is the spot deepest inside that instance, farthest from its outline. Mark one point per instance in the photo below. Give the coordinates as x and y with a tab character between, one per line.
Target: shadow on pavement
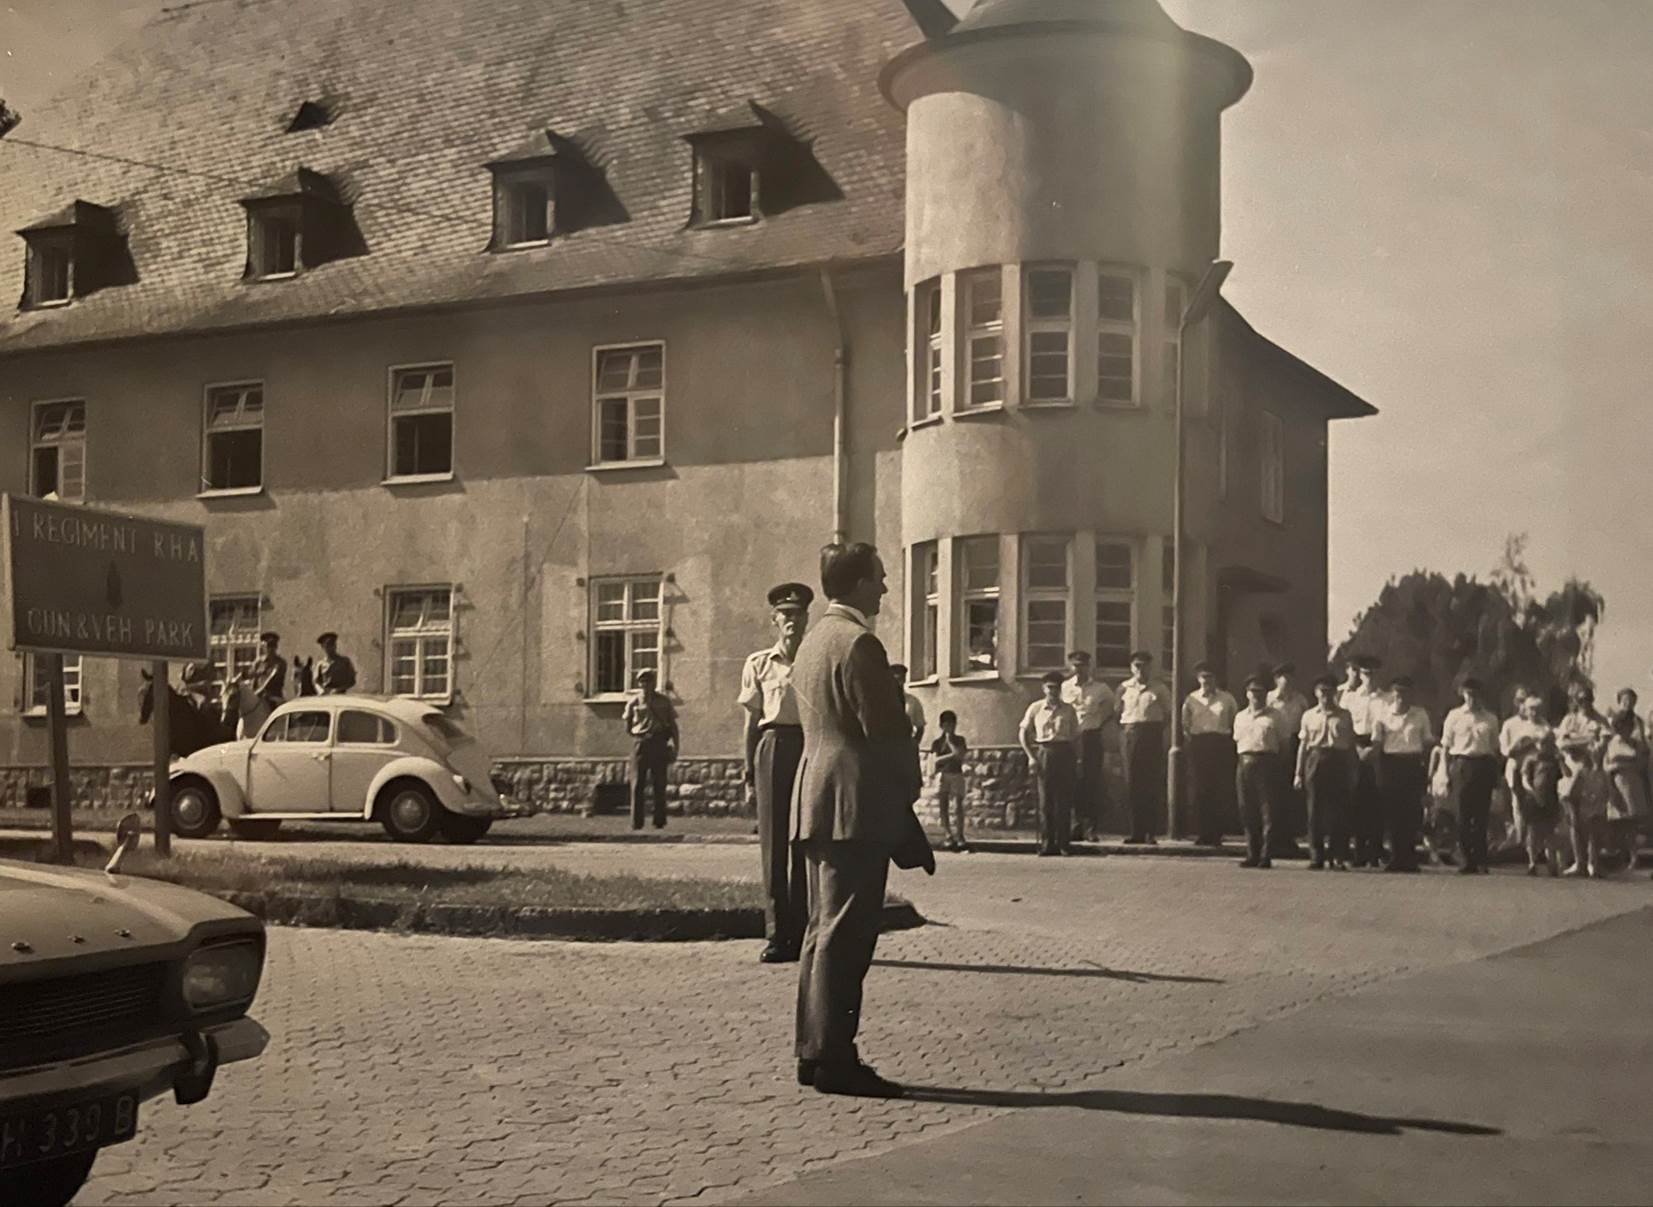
1109	974
1202	1106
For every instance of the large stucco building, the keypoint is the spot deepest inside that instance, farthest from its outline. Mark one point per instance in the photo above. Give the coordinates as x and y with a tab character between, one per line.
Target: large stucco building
526	343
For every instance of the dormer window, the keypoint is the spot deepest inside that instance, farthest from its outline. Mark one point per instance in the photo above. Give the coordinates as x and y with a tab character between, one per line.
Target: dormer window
299	222
525	204
749	164
726	186
72	253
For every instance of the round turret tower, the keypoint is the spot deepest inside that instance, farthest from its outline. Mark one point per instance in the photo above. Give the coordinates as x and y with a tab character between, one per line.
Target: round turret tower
1063	165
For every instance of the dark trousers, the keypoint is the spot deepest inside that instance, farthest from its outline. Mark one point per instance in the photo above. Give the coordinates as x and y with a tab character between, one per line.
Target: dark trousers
1292	823
785	884
1055	767
1257	784
1211	777
1327	777
1145	776
1403	778
846	900
1472	781
1366	814
1090	793
648	765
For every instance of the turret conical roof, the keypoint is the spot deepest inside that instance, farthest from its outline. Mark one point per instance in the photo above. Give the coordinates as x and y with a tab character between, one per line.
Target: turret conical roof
1142	16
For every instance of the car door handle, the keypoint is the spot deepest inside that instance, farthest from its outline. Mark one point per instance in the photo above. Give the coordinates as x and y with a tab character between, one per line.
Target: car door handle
319	756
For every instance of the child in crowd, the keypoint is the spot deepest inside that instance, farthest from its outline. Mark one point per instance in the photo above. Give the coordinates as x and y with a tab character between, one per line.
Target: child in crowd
1538	805
947	753
1584	794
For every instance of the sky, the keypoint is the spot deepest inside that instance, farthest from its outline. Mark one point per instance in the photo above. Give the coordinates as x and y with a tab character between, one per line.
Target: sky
1446	205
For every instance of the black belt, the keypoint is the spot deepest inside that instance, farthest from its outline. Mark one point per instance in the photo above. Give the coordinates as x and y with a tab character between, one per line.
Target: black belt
775	726
1259	754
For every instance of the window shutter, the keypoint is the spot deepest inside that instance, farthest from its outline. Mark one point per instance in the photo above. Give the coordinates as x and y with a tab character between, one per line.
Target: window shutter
71	471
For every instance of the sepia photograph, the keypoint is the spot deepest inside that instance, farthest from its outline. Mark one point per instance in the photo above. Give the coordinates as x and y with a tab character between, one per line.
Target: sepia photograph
806	602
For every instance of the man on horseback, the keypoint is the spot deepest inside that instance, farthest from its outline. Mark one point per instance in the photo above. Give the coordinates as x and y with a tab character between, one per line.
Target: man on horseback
268	675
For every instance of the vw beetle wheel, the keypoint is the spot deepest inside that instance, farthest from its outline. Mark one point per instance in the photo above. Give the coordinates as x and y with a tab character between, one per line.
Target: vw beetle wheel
410	813
194	810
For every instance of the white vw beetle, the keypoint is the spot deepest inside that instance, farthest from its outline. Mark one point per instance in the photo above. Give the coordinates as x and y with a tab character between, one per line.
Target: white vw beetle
342	758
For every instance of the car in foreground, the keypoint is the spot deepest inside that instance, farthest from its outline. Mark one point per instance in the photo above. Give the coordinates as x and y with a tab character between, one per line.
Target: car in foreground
396	761
113	990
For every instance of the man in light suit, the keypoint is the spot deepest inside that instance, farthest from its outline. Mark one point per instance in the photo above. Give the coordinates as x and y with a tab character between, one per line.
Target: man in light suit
851	811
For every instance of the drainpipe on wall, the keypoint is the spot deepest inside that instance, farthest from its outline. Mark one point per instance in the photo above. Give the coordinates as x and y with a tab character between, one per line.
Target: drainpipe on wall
840	453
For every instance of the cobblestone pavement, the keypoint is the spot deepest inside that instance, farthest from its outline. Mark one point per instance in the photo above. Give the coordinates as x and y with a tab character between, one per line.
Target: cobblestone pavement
420	1070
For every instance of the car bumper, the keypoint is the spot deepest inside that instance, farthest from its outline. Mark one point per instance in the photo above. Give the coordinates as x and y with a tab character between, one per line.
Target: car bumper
151	1068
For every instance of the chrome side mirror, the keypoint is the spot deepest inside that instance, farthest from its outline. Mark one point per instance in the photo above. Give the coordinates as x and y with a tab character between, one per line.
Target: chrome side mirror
128	832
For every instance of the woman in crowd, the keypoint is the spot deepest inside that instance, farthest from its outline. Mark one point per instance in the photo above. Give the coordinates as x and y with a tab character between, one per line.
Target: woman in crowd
1521	735
1538	804
1625	760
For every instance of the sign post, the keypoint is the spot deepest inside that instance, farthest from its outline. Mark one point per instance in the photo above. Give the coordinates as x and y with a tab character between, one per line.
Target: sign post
111	585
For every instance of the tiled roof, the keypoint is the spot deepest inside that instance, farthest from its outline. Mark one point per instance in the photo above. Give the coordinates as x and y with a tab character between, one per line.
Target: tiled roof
426	93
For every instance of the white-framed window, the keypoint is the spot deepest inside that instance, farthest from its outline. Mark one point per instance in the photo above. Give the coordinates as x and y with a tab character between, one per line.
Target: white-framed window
982	300
1117	324
627	631
1045	580
50	271
1115	605
419	642
1049	334
977	558
524	207
57	453
272	241
233	625
1176	301
421	421
1272	467
35	699
629	403
232	443
926	612
726	185
1168	579
927	351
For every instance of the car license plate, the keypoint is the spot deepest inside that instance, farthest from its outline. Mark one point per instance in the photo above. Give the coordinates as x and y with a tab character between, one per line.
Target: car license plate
57	1131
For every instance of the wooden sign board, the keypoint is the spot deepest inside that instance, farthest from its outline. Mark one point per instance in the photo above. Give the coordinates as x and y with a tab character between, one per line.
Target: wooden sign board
87	581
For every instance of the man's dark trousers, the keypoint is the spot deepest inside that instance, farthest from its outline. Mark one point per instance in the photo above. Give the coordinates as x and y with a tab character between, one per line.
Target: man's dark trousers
649	759
1403	778
785	883
1472	780
1210	779
1326	776
1144	776
846	901
1090	792
1256	783
1054	765
1292	823
1366	813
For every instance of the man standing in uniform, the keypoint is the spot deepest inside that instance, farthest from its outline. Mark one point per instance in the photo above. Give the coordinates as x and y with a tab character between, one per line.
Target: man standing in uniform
651	721
1144	709
1208	724
1291	704
335	674
1048	733
774	744
1326	770
1401	737
1360	698
851	810
1095	703
1260	743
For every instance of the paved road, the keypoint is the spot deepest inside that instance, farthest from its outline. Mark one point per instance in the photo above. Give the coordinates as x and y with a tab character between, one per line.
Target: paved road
422	1070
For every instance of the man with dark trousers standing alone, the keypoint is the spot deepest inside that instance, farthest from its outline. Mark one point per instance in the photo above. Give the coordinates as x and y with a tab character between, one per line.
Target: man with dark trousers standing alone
1326	773
851	810
1144	710
1049	733
1095	703
774	744
651	721
1208	725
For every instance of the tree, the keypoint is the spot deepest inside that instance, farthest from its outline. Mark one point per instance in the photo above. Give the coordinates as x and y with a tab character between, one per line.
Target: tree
1438	630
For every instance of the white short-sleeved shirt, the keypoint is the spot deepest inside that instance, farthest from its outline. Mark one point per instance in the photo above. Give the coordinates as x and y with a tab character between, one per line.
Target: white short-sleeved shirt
766	687
1051	722
1470	733
1202	714
1361	703
1402	732
1094	701
1259	732
1291	706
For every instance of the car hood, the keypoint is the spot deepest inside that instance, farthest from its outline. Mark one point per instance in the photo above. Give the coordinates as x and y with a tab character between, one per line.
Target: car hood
44	910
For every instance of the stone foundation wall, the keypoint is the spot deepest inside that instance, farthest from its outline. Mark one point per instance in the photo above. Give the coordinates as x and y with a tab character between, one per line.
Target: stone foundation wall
1001	794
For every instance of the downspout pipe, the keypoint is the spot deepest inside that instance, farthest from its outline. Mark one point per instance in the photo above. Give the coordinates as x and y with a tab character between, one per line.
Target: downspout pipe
840	451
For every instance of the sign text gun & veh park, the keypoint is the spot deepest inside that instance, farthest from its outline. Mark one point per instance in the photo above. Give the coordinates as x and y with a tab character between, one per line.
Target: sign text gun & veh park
102	583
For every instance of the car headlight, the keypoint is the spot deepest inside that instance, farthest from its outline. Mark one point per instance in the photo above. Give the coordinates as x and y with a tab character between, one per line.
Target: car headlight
221	975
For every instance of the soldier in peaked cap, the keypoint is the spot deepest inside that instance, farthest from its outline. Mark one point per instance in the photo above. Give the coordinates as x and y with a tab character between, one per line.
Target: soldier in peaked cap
335	674
774	743
268	673
1144	708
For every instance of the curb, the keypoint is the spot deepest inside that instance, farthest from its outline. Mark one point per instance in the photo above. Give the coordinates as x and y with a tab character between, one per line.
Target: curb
521	922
